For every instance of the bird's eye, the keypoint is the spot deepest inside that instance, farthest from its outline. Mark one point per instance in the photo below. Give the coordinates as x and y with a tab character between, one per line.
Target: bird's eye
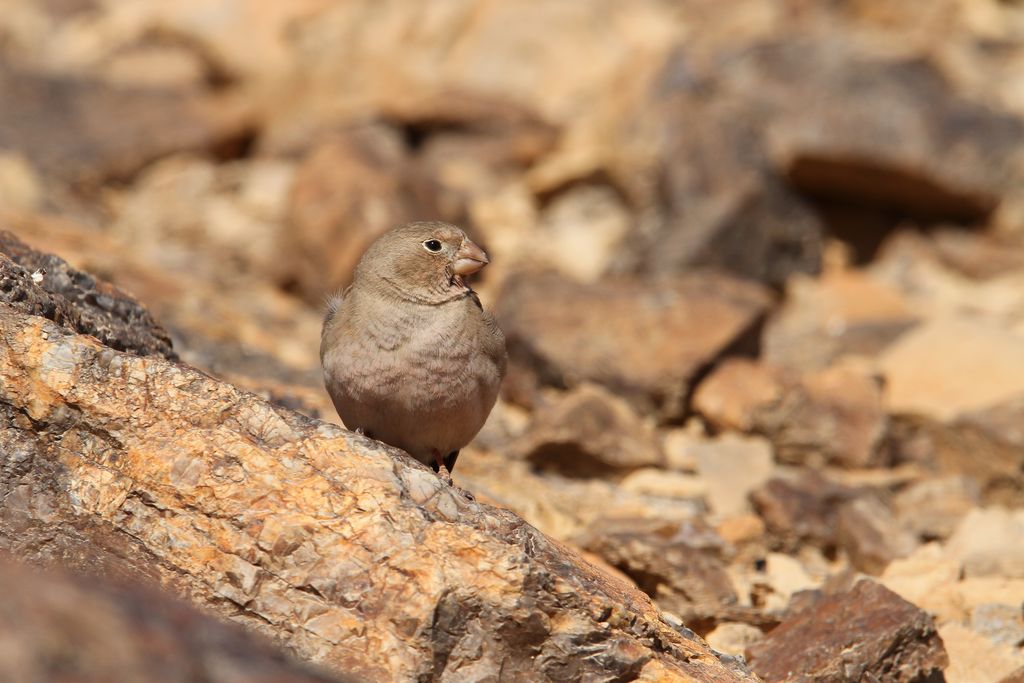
432	245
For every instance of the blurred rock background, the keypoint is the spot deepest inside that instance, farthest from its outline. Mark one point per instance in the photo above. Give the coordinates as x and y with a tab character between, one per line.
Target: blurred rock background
760	265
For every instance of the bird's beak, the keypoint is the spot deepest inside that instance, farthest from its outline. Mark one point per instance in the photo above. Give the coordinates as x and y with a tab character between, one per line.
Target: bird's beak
469	258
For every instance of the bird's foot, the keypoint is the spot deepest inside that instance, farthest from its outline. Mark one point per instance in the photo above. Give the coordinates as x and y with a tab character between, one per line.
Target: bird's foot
441	467
445	475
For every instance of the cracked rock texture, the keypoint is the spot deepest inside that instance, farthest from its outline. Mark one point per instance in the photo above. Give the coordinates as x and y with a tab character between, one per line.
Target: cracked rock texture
760	265
348	553
863	634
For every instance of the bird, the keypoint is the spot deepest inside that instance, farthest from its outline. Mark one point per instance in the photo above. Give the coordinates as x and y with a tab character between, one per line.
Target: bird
409	355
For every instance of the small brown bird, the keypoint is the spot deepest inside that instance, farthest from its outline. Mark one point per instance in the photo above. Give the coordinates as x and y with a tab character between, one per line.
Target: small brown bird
409	355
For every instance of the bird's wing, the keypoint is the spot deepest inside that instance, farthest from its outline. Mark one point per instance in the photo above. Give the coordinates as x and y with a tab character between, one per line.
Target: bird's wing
493	341
332	305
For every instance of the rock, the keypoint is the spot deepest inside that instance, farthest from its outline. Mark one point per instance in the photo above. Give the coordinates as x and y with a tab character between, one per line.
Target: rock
465	47
591	223
655	481
975	255
846	312
734	638
870	534
929	579
1015	676
946	368
1002	624
666	330
45	285
1004	420
932	578
932	508
90	630
678	442
962	449
975	659
842	418
802	510
865	633
736	391
236	326
831	416
588	432
990	542
20	185
733	466
721	204
85	132
349	189
741	529
679	565
224	218
937	287
836	147
563	507
752	226
348	553
772	582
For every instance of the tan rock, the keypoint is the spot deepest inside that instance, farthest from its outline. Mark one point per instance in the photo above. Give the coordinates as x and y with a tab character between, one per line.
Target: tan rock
1001	623
734	638
679	565
583	230
229	213
963	449
975	659
86	132
834	415
842	313
986	590
467	47
741	529
590	431
733	466
1015	676
1004	420
653	481
252	511
559	332
932	508
20	186
867	530
678	442
927	578
938	285
949	367
785	576
933	581
735	391
990	542
560	506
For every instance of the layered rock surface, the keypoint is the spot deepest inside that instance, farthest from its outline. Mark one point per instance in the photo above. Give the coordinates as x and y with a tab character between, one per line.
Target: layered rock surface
785	240
345	551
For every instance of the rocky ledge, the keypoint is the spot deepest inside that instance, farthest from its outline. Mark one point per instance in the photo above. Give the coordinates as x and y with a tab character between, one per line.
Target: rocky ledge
349	554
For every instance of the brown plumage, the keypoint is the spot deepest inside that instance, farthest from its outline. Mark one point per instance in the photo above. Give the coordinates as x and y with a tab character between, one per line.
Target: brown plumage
409	355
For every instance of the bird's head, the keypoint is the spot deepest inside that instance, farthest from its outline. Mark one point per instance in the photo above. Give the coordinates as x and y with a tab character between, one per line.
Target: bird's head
423	261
